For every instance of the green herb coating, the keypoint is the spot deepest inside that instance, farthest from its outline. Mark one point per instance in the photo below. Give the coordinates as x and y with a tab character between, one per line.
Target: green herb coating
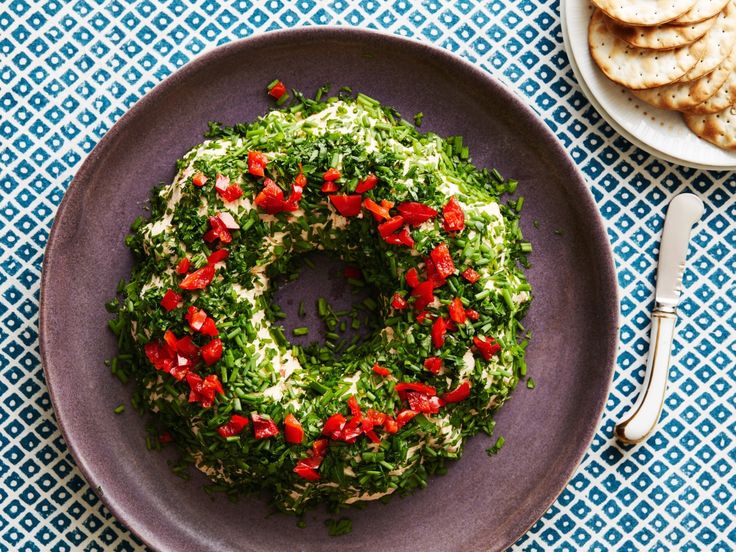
259	370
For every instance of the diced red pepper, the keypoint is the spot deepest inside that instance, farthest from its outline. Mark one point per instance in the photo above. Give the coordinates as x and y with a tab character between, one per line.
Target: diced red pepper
419	402
333	426
160	355
404	417
368	183
442	259
375	417
186	347
171	339
199	179
170	300
398	302
351	430
196	318
203	390
329	187
378	211
233	427
422	316
305	471
217	256
386	204
401	388
293	431
390	226
424	294
209	328
454	218
487	346
199	279
433	364
470	275
165	438
231	193
212	352
263	427
416	213
472	314
347	205
217	230
353	406
457	311
372	436
297	190
412	277
277	90
432	274
183	266
270	198
460	393
439	328
402	237
257	162
300	179
331	175
390	425
381	371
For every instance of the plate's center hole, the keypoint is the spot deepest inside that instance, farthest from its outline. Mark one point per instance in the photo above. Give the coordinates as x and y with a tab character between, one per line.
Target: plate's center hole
327	306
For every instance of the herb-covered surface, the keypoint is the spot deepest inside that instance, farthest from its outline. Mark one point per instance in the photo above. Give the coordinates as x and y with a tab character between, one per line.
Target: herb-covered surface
197	328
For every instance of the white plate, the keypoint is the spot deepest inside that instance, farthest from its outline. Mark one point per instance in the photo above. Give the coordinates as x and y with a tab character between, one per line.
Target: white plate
661	133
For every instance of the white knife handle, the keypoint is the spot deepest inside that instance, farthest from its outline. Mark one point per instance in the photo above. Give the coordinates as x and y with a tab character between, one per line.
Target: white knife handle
644	415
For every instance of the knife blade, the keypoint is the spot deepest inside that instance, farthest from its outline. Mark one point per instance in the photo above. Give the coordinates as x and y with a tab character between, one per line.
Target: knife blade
682	214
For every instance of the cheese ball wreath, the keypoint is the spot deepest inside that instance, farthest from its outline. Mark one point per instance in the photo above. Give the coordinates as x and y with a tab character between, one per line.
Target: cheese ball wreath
197	327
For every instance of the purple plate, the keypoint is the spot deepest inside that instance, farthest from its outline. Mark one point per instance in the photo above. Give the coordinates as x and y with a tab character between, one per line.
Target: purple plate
482	503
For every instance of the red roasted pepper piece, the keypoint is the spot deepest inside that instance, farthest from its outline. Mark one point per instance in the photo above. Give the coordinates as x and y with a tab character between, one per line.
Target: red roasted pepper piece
390	226
203	390
402	237
402	388
460	393
457	311
256	163
346	205
416	213
470	275
277	90
183	266
412	277
217	256
381	371
199	179
454	218
170	300
329	187
199	279
433	364
487	346
233	427
270	198
305	471
419	402
368	183
378	211
212	352
404	417
331	175
231	193
442	260
333	426
352	272
424	294
398	302
263	427
293	431
217	230
439	328
472	314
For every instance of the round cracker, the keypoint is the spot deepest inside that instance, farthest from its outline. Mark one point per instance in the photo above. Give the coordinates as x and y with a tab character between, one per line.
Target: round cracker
717	128
703	9
716	44
635	68
661	37
685	95
644	12
724	97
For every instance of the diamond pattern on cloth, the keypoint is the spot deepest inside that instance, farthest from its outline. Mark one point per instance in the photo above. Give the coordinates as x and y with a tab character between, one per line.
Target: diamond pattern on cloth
69	69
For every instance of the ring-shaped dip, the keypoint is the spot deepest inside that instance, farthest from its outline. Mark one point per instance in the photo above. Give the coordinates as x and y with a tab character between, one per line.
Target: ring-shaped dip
197	327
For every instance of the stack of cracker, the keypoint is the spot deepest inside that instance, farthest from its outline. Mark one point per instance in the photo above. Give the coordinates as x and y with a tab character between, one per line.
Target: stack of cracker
673	54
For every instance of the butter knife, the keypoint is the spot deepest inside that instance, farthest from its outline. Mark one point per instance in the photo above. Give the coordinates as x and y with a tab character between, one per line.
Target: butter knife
682	214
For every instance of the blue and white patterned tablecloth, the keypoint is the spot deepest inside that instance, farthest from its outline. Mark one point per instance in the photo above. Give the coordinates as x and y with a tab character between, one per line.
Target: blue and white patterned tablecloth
70	69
